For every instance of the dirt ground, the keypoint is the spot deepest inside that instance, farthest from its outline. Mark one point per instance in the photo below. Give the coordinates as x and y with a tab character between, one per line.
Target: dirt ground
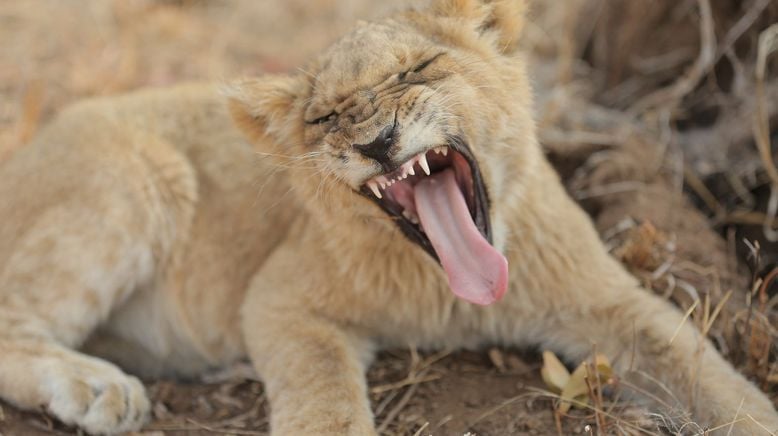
653	135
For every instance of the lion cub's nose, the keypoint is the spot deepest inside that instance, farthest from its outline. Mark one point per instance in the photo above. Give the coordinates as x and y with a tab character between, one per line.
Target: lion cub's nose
379	148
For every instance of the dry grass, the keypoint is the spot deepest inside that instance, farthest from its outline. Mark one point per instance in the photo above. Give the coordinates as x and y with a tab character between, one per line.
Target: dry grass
667	111
662	120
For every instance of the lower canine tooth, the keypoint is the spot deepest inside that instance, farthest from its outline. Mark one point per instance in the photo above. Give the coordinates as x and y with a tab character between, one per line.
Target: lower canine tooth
374	187
423	164
410	217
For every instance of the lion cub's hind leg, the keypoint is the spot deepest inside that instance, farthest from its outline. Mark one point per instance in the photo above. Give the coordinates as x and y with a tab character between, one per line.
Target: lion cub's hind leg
73	246
53	291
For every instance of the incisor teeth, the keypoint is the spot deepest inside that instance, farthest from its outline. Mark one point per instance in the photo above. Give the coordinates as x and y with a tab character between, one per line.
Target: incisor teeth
423	164
374	187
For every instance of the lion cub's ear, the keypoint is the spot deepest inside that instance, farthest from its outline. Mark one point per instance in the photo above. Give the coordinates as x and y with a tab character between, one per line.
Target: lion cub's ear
262	106
503	17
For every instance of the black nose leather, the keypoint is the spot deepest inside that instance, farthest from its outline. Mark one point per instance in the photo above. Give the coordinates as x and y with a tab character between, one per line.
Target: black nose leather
379	148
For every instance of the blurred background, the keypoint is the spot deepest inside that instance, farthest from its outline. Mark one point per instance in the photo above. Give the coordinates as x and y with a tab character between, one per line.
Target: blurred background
661	117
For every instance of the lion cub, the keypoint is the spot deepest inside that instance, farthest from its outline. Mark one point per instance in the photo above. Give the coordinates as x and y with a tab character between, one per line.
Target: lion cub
399	197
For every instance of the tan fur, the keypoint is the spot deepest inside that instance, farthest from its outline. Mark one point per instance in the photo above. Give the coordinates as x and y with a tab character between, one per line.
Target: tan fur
146	230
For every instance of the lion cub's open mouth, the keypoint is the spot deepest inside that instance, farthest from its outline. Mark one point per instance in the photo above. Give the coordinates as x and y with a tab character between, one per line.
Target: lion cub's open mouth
438	199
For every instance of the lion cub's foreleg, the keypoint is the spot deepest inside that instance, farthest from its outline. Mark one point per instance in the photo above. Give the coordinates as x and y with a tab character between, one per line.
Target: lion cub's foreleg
658	352
570	295
313	369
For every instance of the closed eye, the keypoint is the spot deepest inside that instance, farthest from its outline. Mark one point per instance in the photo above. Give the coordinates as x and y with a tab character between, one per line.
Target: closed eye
321	120
420	67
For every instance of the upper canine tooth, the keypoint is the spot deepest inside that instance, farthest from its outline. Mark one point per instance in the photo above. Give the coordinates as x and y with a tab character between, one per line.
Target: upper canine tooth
423	164
444	150
374	187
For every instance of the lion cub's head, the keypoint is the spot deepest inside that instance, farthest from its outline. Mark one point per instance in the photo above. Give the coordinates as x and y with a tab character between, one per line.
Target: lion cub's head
425	115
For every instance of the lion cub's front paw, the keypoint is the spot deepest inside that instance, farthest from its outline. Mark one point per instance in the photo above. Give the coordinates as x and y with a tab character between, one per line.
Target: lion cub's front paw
97	397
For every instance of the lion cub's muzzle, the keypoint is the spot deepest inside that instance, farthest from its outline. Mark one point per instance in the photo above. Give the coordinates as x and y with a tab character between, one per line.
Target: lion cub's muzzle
381	148
438	200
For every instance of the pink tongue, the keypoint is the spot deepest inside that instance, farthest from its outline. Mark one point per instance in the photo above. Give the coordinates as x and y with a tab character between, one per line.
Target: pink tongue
477	272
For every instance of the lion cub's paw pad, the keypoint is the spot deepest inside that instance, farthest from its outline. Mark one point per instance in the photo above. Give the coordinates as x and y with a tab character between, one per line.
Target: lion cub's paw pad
106	402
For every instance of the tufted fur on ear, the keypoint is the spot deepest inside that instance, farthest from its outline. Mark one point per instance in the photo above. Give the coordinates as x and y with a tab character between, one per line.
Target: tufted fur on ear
505	18
262	106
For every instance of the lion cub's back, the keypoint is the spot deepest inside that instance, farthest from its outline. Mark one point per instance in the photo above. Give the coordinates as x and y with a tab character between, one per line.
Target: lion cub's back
169	164
158	145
